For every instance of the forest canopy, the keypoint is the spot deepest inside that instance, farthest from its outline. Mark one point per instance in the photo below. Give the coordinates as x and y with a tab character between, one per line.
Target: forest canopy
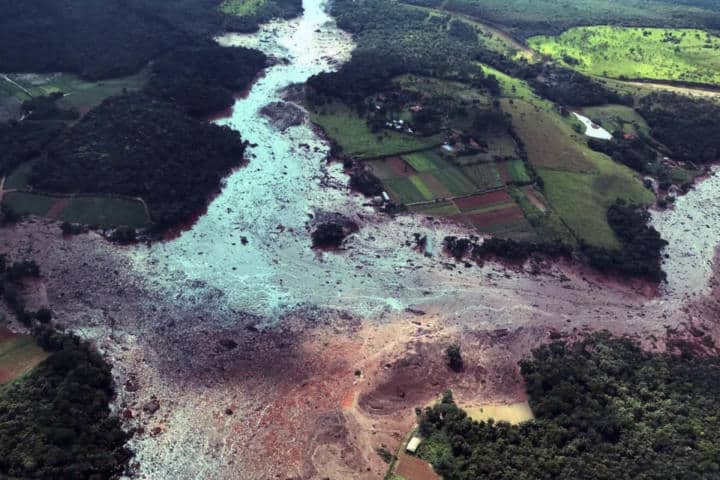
604	409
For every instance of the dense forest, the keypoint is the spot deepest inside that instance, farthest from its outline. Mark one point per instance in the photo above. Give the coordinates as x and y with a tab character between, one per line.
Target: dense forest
642	245
689	127
604	409
106	39
128	145
55	421
203	79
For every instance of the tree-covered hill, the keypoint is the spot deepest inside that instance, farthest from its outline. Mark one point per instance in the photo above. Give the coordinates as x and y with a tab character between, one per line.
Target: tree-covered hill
605	409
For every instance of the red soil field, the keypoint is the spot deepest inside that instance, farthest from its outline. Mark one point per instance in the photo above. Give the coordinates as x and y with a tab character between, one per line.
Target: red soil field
477	201
495	217
400	166
412	468
502	170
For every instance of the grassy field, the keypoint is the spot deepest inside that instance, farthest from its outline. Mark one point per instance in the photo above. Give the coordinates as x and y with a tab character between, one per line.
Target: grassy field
435	87
242	8
18	355
617	117
78	92
354	136
101	211
582	199
548	138
637	53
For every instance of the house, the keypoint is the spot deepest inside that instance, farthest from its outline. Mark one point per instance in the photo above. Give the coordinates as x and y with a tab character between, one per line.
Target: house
416	108
413	444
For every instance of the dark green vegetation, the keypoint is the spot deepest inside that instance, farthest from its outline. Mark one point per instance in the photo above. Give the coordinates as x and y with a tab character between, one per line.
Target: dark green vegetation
689	127
603	409
55	421
513	165
107	39
202	79
116	147
250	13
526	18
641	252
122	150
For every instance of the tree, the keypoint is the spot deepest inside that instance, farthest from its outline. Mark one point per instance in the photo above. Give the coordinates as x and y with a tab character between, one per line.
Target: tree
454	357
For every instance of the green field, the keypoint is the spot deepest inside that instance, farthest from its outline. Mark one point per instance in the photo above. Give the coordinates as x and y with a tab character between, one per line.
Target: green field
78	92
426	161
517	171
101	211
352	133
18	354
637	53
548	138
485	176
242	8
617	117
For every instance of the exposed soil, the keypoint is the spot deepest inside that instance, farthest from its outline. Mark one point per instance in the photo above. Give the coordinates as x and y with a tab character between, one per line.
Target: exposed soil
476	201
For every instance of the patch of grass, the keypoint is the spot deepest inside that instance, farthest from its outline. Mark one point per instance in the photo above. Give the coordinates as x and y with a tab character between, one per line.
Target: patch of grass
18	179
105	212
687	55
485	176
548	139
425	161
617	117
352	133
24	203
18	355
517	171
582	200
435	87
406	192
457	183
101	211
242	8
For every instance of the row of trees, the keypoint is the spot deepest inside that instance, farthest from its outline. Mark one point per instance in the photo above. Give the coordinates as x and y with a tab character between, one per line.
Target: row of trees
603	409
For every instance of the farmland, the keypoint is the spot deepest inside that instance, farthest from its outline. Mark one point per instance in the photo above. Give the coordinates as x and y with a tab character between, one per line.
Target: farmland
103	211
685	55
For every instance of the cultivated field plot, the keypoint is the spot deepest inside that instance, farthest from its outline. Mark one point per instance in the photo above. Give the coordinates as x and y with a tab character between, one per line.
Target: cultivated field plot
686	55
79	94
18	355
413	468
513	171
87	210
547	138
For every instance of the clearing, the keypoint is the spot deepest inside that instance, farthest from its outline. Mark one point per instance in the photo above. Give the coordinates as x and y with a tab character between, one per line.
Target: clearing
685	55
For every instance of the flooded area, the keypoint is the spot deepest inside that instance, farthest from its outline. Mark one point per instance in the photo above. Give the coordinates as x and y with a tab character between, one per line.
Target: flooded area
592	129
692	228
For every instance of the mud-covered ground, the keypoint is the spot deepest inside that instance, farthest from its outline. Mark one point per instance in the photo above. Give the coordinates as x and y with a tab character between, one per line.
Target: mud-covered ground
241	353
